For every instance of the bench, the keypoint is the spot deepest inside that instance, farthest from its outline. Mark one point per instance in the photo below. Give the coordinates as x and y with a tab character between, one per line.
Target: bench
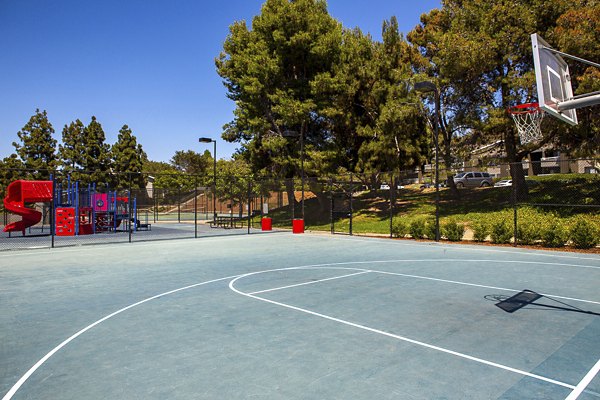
227	222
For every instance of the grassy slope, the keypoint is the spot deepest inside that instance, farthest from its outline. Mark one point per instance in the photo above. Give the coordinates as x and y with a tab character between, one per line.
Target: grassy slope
562	196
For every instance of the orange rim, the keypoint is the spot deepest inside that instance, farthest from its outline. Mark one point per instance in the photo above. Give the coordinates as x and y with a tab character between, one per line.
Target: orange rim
527	108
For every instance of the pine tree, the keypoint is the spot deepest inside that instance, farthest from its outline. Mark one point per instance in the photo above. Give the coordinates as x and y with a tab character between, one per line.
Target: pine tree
96	160
37	148
11	169
71	152
128	160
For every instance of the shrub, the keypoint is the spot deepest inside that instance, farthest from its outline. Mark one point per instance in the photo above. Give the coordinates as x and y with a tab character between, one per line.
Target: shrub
481	231
453	231
417	229
430	229
584	234
529	223
528	232
553	233
400	228
501	232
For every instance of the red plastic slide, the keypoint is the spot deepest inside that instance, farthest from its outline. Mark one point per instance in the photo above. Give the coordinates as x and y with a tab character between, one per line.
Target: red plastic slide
20	192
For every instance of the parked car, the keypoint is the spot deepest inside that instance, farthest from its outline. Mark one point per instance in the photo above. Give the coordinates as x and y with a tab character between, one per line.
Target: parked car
503	183
428	185
508	182
385	186
473	179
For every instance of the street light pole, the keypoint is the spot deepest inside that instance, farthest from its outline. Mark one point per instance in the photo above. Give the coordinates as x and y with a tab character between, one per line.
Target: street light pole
214	194
425	87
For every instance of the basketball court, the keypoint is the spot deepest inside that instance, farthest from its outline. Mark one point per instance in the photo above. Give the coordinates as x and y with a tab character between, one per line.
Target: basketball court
283	316
299	316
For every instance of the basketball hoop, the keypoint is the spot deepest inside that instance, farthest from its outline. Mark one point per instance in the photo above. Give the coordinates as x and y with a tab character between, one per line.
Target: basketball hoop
528	118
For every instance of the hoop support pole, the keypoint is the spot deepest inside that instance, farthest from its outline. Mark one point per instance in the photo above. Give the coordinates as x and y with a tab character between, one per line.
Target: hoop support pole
579	103
581	60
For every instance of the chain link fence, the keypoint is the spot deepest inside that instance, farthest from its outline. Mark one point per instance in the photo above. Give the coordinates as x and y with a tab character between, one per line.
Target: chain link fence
556	203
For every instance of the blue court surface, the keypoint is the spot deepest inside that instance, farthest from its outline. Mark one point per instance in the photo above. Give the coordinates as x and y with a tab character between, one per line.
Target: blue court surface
282	316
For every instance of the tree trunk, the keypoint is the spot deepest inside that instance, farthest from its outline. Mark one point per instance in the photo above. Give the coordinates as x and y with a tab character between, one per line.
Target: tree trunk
516	167
289	188
514	157
450	180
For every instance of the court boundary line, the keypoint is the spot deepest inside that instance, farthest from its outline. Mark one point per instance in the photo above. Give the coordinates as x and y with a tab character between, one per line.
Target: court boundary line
39	363
388	334
485	286
432	245
469	247
582	385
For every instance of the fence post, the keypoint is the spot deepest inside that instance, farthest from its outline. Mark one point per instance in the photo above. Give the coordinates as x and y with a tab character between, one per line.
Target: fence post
515	223
351	195
53	210
249	204
392	201
129	209
195	207
179	204
331	205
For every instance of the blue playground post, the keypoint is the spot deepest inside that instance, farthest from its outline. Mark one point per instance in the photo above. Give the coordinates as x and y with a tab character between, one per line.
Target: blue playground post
135	216
76	198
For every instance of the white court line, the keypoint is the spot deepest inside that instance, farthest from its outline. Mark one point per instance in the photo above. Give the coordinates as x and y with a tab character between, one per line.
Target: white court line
435	245
31	370
115	245
484	286
388	334
432	245
584	382
311	282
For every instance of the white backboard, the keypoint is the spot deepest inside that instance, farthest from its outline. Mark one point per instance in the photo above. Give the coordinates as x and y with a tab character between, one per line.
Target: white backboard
553	80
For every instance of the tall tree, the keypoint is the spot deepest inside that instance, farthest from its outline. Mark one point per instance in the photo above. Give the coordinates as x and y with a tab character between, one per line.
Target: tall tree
191	162
72	150
166	176
96	160
37	147
11	169
577	32
232	182
269	71
128	159
396	137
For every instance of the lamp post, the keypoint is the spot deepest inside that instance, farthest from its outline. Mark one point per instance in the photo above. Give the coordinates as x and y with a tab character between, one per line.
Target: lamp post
426	87
209	140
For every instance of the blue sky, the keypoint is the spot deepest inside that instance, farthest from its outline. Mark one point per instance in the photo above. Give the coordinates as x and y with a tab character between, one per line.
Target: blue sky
145	63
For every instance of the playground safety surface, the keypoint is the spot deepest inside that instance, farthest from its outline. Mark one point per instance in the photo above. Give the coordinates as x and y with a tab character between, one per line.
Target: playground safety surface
285	316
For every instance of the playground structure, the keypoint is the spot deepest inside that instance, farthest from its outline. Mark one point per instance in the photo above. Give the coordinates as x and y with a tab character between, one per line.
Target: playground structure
18	193
76	211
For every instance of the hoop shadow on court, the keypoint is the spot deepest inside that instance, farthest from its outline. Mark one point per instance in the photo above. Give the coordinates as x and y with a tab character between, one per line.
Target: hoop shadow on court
530	298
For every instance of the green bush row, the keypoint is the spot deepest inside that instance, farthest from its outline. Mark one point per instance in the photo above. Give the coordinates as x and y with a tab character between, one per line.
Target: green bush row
423	228
534	227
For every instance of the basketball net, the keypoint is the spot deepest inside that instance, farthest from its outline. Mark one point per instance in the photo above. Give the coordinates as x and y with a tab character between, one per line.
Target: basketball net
528	118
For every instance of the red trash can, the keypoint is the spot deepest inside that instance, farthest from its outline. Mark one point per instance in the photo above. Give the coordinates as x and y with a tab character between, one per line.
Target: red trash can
298	225
266	224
